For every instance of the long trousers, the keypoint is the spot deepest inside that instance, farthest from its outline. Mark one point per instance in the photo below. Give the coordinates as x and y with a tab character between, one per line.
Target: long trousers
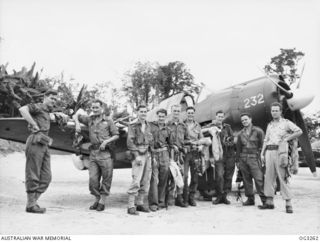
273	170
38	168
100	169
224	170
192	162
141	175
159	178
250	169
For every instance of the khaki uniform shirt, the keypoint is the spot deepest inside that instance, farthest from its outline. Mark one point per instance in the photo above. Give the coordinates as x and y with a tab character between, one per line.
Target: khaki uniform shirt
161	135
100	128
277	131
193	131
41	115
178	133
138	140
252	141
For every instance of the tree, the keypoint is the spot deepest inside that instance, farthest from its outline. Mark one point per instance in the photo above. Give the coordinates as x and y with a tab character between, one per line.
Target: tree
102	91
285	64
19	88
313	125
151	83
138	84
22	87
174	78
66	90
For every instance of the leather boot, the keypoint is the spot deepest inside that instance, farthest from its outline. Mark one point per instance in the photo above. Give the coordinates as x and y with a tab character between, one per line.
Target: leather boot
100	207
263	199
143	208
249	202
192	202
225	200
179	202
94	206
266	206
35	209
218	200
289	209
133	211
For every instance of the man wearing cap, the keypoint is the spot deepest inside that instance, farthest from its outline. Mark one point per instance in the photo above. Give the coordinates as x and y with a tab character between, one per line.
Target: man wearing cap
249	144
279	132
38	169
139	142
102	132
160	161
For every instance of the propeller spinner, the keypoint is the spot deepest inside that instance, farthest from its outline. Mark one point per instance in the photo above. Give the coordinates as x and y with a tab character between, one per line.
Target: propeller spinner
299	99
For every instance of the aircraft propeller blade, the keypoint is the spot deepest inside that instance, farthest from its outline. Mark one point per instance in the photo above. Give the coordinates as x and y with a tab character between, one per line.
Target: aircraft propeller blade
289	94
298	84
304	141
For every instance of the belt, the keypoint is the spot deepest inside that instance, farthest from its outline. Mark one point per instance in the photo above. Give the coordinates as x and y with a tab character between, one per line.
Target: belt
160	149
94	146
191	147
249	151
272	147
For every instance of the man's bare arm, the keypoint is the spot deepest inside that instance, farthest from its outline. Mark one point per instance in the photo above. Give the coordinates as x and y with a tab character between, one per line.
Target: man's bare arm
75	117
27	116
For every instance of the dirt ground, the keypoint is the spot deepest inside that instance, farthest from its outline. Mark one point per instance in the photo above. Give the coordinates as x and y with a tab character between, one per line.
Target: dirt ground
67	201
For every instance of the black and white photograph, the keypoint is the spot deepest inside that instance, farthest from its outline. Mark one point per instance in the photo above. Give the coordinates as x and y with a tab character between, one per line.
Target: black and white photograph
149	117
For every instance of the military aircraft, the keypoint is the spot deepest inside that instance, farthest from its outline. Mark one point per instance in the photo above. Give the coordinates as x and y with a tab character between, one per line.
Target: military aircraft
253	96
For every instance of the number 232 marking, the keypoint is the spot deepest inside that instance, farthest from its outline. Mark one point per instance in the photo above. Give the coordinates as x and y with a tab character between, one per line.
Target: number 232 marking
253	101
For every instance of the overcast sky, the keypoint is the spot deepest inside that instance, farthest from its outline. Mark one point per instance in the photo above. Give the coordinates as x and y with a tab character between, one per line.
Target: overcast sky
221	42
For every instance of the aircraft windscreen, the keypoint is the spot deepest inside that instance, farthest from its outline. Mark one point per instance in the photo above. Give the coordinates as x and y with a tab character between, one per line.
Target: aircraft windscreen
187	101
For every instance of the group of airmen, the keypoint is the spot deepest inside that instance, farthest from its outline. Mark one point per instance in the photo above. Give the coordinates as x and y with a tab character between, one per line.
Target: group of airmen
153	145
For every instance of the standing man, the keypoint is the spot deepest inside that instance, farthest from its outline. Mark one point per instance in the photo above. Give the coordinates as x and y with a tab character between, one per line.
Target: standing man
160	161
279	132
249	144
225	167
192	159
38	168
102	132
178	138
139	142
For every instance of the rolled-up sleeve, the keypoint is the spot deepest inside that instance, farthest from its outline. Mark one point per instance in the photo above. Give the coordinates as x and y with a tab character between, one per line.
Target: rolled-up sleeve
292	127
84	119
34	108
